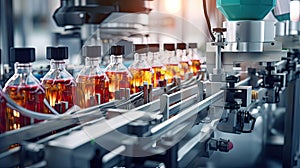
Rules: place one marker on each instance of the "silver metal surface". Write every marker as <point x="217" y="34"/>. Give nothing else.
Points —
<point x="271" y="53"/>
<point x="247" y="41"/>
<point x="249" y="31"/>
<point x="167" y="100"/>
<point x="92" y="132"/>
<point x="288" y="32"/>
<point x="188" y="113"/>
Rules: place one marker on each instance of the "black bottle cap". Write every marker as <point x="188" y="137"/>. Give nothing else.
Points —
<point x="57" y="53"/>
<point x="117" y="50"/>
<point x="181" y="46"/>
<point x="192" y="45"/>
<point x="169" y="47"/>
<point x="22" y="55"/>
<point x="153" y="47"/>
<point x="141" y="48"/>
<point x="91" y="51"/>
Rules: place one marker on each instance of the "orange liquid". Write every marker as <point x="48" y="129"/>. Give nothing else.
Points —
<point x="29" y="97"/>
<point x="117" y="80"/>
<point x="185" y="68"/>
<point x="158" y="75"/>
<point x="196" y="66"/>
<point x="139" y="77"/>
<point x="59" y="90"/>
<point x="91" y="90"/>
<point x="172" y="71"/>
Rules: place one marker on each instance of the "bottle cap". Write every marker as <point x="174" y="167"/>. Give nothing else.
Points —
<point x="22" y="55"/>
<point x="117" y="50"/>
<point x="192" y="45"/>
<point x="91" y="51"/>
<point x="153" y="47"/>
<point x="57" y="53"/>
<point x="181" y="46"/>
<point x="169" y="47"/>
<point x="141" y="48"/>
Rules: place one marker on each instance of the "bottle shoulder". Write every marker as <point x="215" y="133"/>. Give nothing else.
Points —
<point x="58" y="74"/>
<point x="139" y="65"/>
<point x="116" y="67"/>
<point x="23" y="81"/>
<point x="91" y="72"/>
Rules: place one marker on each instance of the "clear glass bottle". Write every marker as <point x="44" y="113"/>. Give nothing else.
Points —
<point x="171" y="63"/>
<point x="59" y="84"/>
<point x="24" y="89"/>
<point x="92" y="82"/>
<point x="158" y="67"/>
<point x="140" y="69"/>
<point x="118" y="75"/>
<point x="184" y="60"/>
<point x="195" y="58"/>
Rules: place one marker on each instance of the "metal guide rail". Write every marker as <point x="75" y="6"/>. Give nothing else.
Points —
<point x="165" y="130"/>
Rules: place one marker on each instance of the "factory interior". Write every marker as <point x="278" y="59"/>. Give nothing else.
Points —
<point x="149" y="83"/>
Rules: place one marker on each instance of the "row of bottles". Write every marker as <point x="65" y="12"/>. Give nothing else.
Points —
<point x="92" y="86"/>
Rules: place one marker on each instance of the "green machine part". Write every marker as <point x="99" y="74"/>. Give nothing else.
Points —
<point x="245" y="9"/>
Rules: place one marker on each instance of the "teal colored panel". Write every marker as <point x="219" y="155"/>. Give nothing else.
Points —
<point x="245" y="9"/>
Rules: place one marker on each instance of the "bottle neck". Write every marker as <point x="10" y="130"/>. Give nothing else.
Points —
<point x="193" y="53"/>
<point x="170" y="53"/>
<point x="116" y="59"/>
<point x="140" y="57"/>
<point x="58" y="64"/>
<point x="180" y="52"/>
<point x="23" y="68"/>
<point x="156" y="56"/>
<point x="157" y="60"/>
<point x="90" y="61"/>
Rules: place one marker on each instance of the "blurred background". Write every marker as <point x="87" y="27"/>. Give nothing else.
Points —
<point x="169" y="20"/>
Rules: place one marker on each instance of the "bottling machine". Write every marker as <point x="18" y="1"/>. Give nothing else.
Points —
<point x="245" y="111"/>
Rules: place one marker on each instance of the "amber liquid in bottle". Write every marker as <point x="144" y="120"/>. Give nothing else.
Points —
<point x="117" y="80"/>
<point x="196" y="66"/>
<point x="58" y="91"/>
<point x="158" y="75"/>
<point x="29" y="97"/>
<point x="139" y="76"/>
<point x="172" y="70"/>
<point x="92" y="90"/>
<point x="185" y="68"/>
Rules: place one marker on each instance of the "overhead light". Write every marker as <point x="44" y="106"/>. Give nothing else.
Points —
<point x="173" y="6"/>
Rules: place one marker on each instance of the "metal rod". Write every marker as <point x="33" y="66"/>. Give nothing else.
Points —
<point x="193" y="110"/>
<point x="188" y="113"/>
<point x="218" y="54"/>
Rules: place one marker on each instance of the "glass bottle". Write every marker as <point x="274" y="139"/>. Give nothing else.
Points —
<point x="171" y="63"/>
<point x="92" y="82"/>
<point x="195" y="58"/>
<point x="158" y="67"/>
<point x="118" y="75"/>
<point x="184" y="60"/>
<point x="59" y="84"/>
<point x="140" y="69"/>
<point x="24" y="89"/>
